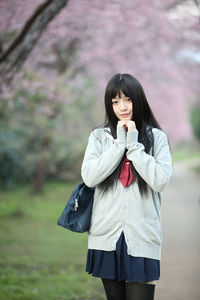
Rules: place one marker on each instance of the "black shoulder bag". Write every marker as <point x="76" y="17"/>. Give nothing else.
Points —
<point x="76" y="215"/>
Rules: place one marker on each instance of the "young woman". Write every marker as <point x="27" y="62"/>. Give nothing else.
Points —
<point x="128" y="161"/>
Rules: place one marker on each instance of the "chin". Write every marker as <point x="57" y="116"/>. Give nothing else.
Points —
<point x="126" y="119"/>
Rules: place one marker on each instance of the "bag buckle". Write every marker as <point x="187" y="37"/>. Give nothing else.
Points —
<point x="75" y="204"/>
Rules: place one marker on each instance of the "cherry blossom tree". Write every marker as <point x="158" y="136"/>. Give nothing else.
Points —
<point x="156" y="41"/>
<point x="60" y="72"/>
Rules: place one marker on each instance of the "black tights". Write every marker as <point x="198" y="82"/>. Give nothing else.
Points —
<point x="121" y="290"/>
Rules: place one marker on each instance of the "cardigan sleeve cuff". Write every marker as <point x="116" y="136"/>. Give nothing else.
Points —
<point x="132" y="137"/>
<point x="121" y="134"/>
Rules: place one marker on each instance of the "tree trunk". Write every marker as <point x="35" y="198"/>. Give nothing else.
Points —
<point x="14" y="57"/>
<point x="41" y="168"/>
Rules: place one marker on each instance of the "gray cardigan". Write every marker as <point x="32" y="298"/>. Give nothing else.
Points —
<point x="123" y="209"/>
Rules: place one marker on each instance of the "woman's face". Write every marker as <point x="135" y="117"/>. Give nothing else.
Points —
<point x="122" y="107"/>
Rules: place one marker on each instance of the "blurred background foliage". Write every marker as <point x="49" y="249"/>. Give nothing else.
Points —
<point x="40" y="138"/>
<point x="195" y="121"/>
<point x="52" y="88"/>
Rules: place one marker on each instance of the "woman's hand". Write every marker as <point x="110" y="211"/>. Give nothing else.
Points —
<point x="129" y="125"/>
<point x="122" y="123"/>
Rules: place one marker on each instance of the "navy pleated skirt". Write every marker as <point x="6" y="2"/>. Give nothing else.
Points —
<point x="118" y="265"/>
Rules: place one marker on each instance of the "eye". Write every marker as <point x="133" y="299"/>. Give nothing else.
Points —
<point x="114" y="102"/>
<point x="128" y="99"/>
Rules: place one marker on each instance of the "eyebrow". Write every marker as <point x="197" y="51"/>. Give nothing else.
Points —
<point x="120" y="98"/>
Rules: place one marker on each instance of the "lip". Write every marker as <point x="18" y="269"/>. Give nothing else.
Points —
<point x="125" y="115"/>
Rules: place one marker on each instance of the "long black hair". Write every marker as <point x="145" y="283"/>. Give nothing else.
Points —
<point x="142" y="116"/>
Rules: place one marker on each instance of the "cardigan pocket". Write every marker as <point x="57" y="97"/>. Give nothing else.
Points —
<point x="99" y="229"/>
<point x="150" y="216"/>
<point x="153" y="232"/>
<point x="151" y="220"/>
<point x="150" y="213"/>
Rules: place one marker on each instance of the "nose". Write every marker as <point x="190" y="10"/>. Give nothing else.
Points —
<point x="123" y="106"/>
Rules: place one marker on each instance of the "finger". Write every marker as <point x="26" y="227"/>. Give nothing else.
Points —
<point x="121" y="123"/>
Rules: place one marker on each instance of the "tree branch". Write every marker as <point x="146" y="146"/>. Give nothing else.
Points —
<point x="14" y="57"/>
<point x="175" y="3"/>
<point x="198" y="6"/>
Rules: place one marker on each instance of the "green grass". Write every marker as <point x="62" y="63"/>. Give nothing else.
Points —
<point x="180" y="155"/>
<point x="186" y="151"/>
<point x="189" y="156"/>
<point x="40" y="260"/>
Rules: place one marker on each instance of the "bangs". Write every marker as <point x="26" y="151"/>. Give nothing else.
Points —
<point x="119" y="87"/>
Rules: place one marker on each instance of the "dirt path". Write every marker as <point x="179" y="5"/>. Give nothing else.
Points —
<point x="180" y="262"/>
